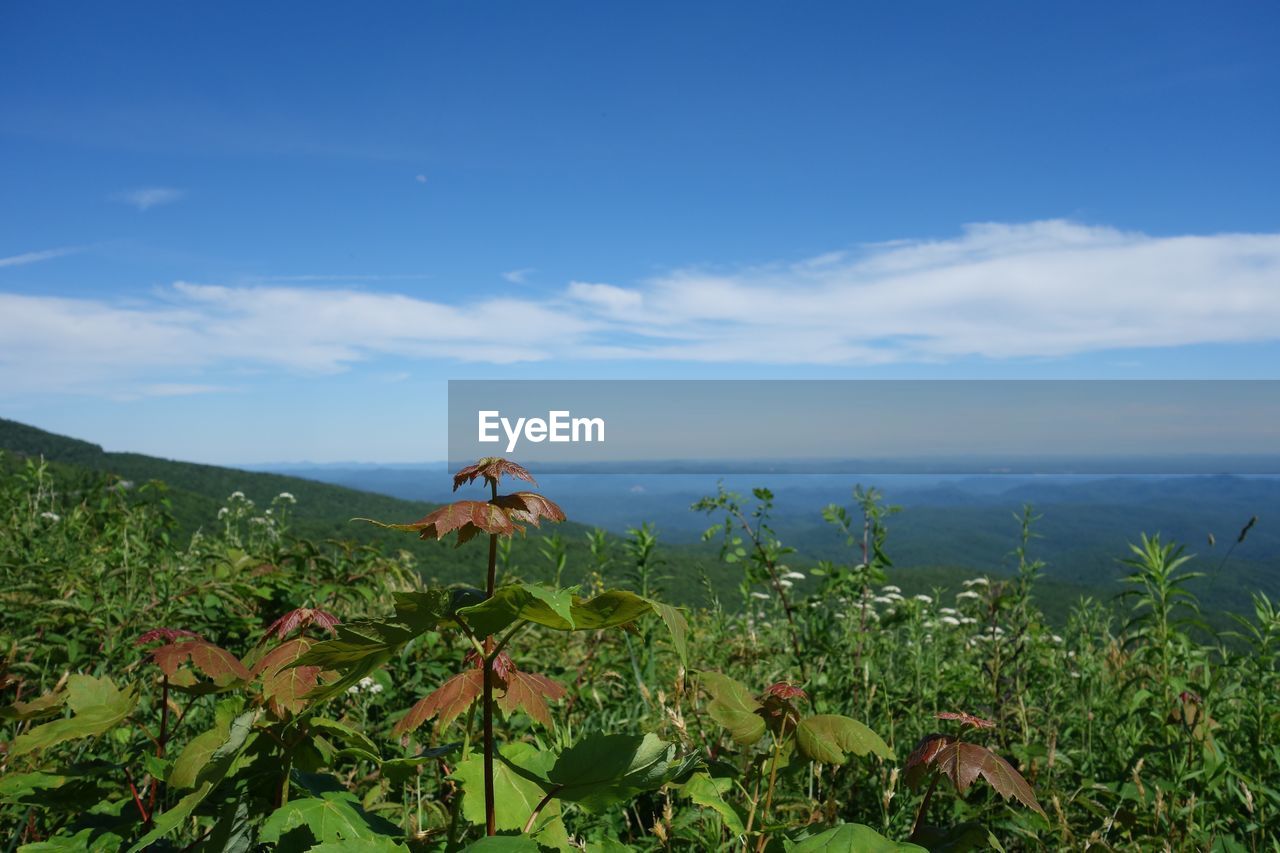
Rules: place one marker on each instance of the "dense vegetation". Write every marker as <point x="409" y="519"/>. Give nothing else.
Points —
<point x="248" y="686"/>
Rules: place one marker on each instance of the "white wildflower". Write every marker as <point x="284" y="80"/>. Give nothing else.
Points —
<point x="51" y="516"/>
<point x="794" y="576"/>
<point x="1056" y="639"/>
<point x="236" y="496"/>
<point x="891" y="588"/>
<point x="353" y="689"/>
<point x="922" y="597"/>
<point x="222" y="513"/>
<point x="882" y="599"/>
<point x="972" y="582"/>
<point x="968" y="594"/>
<point x="375" y="688"/>
<point x="285" y="496"/>
<point x="785" y="584"/>
<point x="366" y="683"/>
<point x="763" y="596"/>
<point x="893" y="596"/>
<point x="947" y="611"/>
<point x="950" y="620"/>
<point x="968" y="620"/>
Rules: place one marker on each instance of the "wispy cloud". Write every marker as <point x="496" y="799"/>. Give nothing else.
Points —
<point x="519" y="276"/>
<point x="995" y="291"/>
<point x="36" y="257"/>
<point x="146" y="198"/>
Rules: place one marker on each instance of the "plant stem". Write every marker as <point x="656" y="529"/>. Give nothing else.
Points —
<point x="768" y="797"/>
<point x="924" y="805"/>
<point x="542" y="804"/>
<point x="490" y="804"/>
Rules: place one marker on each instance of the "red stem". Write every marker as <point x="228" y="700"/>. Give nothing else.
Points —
<point x="490" y="802"/>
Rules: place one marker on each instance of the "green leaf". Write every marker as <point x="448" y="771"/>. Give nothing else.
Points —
<point x="97" y="705"/>
<point x="88" y="840"/>
<point x="677" y="625"/>
<point x="705" y="792"/>
<point x="400" y="769"/>
<point x="424" y="611"/>
<point x="609" y="609"/>
<point x="552" y="608"/>
<point x="333" y="817"/>
<point x="503" y="844"/>
<point x="516" y="793"/>
<point x="196" y="754"/>
<point x="601" y="770"/>
<point x="357" y="740"/>
<point x="853" y="838"/>
<point x="381" y="844"/>
<point x="733" y="707"/>
<point x="207" y="778"/>
<point x="827" y="737"/>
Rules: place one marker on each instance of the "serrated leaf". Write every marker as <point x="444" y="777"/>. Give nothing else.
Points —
<point x="424" y="611"/>
<point x="200" y="749"/>
<point x="467" y="518"/>
<point x="334" y="817"/>
<point x="516" y="791"/>
<point x="964" y="762"/>
<point x="358" y="740"/>
<point x="733" y="707"/>
<point x="448" y="701"/>
<point x="601" y="770"/>
<point x="215" y="662"/>
<point x="534" y="603"/>
<point x="41" y="706"/>
<point x="525" y="692"/>
<point x="827" y="737"/>
<point x="97" y="705"/>
<point x="492" y="469"/>
<point x="285" y="681"/>
<point x="704" y="791"/>
<point x="853" y="838"/>
<point x="530" y="507"/>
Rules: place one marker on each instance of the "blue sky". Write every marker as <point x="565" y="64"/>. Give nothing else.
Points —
<point x="268" y="232"/>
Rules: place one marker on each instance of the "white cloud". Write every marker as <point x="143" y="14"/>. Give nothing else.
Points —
<point x="1042" y="289"/>
<point x="422" y="179"/>
<point x="149" y="197"/>
<point x="519" y="276"/>
<point x="36" y="257"/>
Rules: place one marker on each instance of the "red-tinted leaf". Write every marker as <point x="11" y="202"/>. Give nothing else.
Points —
<point x="785" y="690"/>
<point x="530" y="507"/>
<point x="169" y="635"/>
<point x="525" y="692"/>
<point x="285" y="687"/>
<point x="297" y="620"/>
<point x="448" y="701"/>
<point x="963" y="763"/>
<point x="468" y="518"/>
<point x="966" y="719"/>
<point x="491" y="468"/>
<point x="215" y="662"/>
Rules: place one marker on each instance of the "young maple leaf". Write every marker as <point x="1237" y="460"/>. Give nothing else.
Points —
<point x="530" y="507"/>
<point x="169" y="635"/>
<point x="297" y="620"/>
<point x="963" y="763"/>
<point x="285" y="687"/>
<point x="491" y="468"/>
<point x="785" y="690"/>
<point x="966" y="719"/>
<point x="215" y="662"/>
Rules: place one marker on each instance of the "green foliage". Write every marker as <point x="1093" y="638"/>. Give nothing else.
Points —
<point x="167" y="692"/>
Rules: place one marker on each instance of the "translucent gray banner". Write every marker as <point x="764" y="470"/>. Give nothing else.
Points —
<point x="871" y="427"/>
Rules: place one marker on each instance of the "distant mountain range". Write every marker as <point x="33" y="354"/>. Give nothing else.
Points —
<point x="949" y="527"/>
